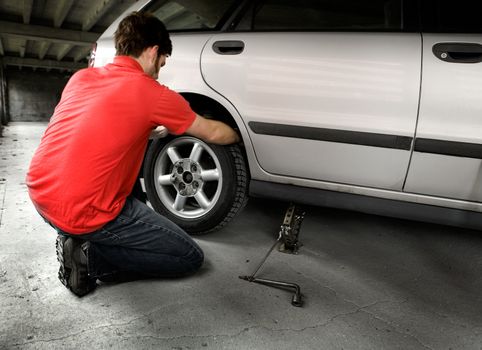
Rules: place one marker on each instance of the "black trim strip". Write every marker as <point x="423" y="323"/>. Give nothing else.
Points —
<point x="333" y="135"/>
<point x="449" y="148"/>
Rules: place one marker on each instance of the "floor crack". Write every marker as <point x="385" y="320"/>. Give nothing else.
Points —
<point x="394" y="327"/>
<point x="2" y="208"/>
<point x="234" y="335"/>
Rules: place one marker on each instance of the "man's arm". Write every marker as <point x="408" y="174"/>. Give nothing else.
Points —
<point x="212" y="131"/>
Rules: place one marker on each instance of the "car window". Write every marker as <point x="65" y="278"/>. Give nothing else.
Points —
<point x="461" y="16"/>
<point x="324" y="15"/>
<point x="190" y="15"/>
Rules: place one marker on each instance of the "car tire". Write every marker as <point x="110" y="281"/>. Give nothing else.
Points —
<point x="198" y="186"/>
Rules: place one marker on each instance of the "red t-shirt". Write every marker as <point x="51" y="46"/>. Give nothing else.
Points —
<point x="92" y="150"/>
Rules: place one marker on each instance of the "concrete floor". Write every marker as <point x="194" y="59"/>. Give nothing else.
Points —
<point x="369" y="283"/>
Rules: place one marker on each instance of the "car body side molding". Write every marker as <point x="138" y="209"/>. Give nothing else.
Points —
<point x="449" y="148"/>
<point x="423" y="145"/>
<point x="333" y="135"/>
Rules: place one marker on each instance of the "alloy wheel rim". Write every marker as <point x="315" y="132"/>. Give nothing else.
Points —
<point x="188" y="177"/>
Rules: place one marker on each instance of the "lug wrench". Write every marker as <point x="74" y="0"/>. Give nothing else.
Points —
<point x="296" y="300"/>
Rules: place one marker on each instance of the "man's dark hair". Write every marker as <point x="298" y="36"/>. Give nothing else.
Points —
<point x="139" y="31"/>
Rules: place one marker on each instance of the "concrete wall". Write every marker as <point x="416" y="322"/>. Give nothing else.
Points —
<point x="33" y="95"/>
<point x="3" y="97"/>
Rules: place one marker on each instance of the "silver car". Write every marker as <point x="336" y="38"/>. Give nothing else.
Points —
<point x="373" y="106"/>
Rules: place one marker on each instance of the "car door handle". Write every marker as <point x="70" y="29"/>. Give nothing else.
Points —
<point x="458" y="52"/>
<point x="228" y="47"/>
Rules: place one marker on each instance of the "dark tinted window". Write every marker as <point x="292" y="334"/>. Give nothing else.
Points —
<point x="191" y="14"/>
<point x="461" y="16"/>
<point x="324" y="15"/>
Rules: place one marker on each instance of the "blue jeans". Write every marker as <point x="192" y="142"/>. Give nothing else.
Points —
<point x="141" y="242"/>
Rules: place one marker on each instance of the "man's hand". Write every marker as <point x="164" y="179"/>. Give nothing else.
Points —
<point x="159" y="132"/>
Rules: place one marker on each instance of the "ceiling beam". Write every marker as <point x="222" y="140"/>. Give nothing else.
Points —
<point x="27" y="10"/>
<point x="43" y="49"/>
<point x="64" y="50"/>
<point x="91" y="19"/>
<point x="82" y="53"/>
<point x="23" y="47"/>
<point x="63" y="8"/>
<point x="55" y="35"/>
<point x="47" y="64"/>
<point x="96" y="13"/>
<point x="27" y="13"/>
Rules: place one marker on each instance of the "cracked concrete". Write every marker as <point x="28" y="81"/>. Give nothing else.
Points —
<point x="369" y="283"/>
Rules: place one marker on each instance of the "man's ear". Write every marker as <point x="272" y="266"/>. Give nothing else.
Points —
<point x="153" y="50"/>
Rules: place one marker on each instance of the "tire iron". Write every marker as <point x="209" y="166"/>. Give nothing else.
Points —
<point x="291" y="222"/>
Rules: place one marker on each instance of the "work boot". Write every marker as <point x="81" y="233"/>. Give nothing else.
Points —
<point x="73" y="271"/>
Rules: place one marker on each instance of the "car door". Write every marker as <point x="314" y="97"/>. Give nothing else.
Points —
<point x="329" y="89"/>
<point x="448" y="148"/>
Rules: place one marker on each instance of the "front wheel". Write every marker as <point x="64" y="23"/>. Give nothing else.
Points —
<point x="198" y="186"/>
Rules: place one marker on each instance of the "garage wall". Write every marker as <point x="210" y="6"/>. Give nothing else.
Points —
<point x="3" y="97"/>
<point x="33" y="95"/>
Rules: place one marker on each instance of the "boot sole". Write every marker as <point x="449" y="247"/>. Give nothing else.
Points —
<point x="64" y="272"/>
<point x="69" y="274"/>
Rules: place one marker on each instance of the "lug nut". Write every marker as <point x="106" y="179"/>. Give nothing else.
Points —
<point x="180" y="170"/>
<point x="195" y="184"/>
<point x="182" y="186"/>
<point x="193" y="168"/>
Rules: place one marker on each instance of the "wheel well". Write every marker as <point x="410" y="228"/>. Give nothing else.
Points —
<point x="210" y="108"/>
<point x="207" y="107"/>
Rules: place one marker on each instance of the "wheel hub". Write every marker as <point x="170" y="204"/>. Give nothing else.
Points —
<point x="186" y="177"/>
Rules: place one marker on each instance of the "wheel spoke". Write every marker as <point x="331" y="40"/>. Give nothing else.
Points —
<point x="179" y="202"/>
<point x="173" y="155"/>
<point x="164" y="180"/>
<point x="188" y="178"/>
<point x="196" y="151"/>
<point x="210" y="175"/>
<point x="202" y="200"/>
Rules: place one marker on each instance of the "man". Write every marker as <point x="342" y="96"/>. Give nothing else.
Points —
<point x="83" y="172"/>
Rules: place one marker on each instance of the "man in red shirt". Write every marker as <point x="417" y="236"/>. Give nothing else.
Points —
<point x="86" y="165"/>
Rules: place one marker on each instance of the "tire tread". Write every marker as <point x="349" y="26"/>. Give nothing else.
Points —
<point x="241" y="195"/>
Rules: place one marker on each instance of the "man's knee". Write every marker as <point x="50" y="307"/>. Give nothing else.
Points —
<point x="196" y="260"/>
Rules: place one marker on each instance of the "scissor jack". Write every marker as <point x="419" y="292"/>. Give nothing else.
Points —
<point x="288" y="243"/>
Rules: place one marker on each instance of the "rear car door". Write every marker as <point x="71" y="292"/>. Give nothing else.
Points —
<point x="448" y="148"/>
<point x="329" y="88"/>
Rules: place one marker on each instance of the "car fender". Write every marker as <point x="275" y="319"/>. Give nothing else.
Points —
<point x="182" y="73"/>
